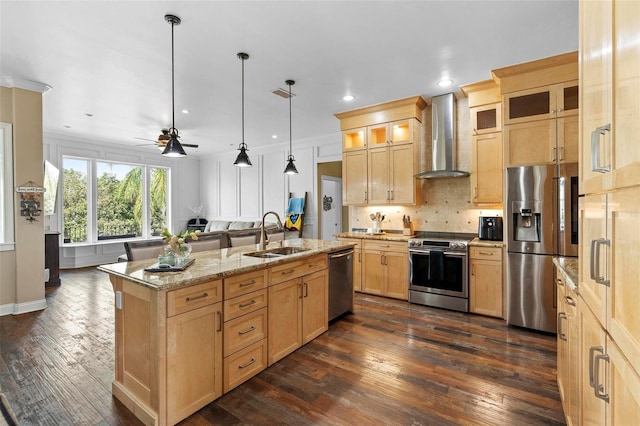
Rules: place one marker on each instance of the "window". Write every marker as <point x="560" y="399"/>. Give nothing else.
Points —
<point x="6" y="187"/>
<point x="130" y="200"/>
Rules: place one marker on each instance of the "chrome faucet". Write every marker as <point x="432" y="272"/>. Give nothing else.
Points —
<point x="263" y="238"/>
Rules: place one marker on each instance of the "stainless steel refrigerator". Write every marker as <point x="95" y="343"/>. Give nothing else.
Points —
<point x="541" y="222"/>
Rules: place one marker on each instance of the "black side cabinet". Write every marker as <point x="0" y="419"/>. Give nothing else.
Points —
<point x="52" y="257"/>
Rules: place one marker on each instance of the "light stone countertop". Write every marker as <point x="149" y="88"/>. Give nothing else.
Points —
<point x="217" y="264"/>
<point x="568" y="268"/>
<point x="485" y="243"/>
<point x="384" y="236"/>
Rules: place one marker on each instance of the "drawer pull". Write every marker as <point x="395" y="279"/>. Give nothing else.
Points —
<point x="252" y="282"/>
<point x="247" y="364"/>
<point x="249" y="330"/>
<point x="244" y="305"/>
<point x="486" y="253"/>
<point x="290" y="271"/>
<point x="202" y="296"/>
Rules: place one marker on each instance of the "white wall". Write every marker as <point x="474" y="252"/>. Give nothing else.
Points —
<point x="231" y="192"/>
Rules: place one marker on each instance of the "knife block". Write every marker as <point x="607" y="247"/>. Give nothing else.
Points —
<point x="408" y="229"/>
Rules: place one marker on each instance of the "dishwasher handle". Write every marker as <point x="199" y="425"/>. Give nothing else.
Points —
<point x="340" y="254"/>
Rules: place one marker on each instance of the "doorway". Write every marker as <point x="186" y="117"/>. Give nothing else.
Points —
<point x="331" y="206"/>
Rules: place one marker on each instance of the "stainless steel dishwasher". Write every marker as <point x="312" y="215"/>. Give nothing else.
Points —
<point x="340" y="283"/>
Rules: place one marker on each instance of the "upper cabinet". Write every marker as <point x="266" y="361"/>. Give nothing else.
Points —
<point x="381" y="148"/>
<point x="540" y="103"/>
<point x="540" y="109"/>
<point x="485" y="111"/>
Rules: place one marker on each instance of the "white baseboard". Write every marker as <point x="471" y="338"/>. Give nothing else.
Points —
<point x="7" y="309"/>
<point x="23" y="308"/>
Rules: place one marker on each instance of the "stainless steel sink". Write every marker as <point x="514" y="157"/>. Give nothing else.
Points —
<point x="276" y="252"/>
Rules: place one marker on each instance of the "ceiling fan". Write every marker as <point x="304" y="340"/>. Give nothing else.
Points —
<point x="163" y="138"/>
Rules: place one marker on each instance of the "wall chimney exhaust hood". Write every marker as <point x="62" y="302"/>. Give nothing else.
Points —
<point x="443" y="140"/>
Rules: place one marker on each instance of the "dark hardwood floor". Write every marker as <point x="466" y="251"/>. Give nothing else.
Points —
<point x="391" y="363"/>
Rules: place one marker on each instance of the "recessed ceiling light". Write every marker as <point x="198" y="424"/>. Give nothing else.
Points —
<point x="445" y="82"/>
<point x="185" y="111"/>
<point x="274" y="136"/>
<point x="348" y="98"/>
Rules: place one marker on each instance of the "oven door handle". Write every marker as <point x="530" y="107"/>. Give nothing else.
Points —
<point x="446" y="253"/>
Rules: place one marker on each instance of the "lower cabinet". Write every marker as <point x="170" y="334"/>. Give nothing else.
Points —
<point x="485" y="281"/>
<point x="568" y="350"/>
<point x="245" y="327"/>
<point x="299" y="313"/>
<point x="385" y="266"/>
<point x="609" y="385"/>
<point x="194" y="340"/>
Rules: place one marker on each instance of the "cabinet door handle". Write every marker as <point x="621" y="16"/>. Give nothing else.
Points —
<point x="219" y="314"/>
<point x="592" y="350"/>
<point x="382" y="259"/>
<point x="244" y="305"/>
<point x="475" y="192"/>
<point x="365" y="196"/>
<point x="306" y="289"/>
<point x="301" y="291"/>
<point x="555" y="295"/>
<point x="391" y="197"/>
<point x="594" y="257"/>
<point x="553" y="154"/>
<point x="191" y="299"/>
<point x="247" y="283"/>
<point x="562" y="335"/>
<point x="598" y="387"/>
<point x="561" y="153"/>
<point x="559" y="282"/>
<point x="248" y="330"/>
<point x="473" y="270"/>
<point x="247" y="364"/>
<point x="595" y="149"/>
<point x="570" y="300"/>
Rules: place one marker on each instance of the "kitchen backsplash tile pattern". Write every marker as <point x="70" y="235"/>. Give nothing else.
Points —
<point x="447" y="205"/>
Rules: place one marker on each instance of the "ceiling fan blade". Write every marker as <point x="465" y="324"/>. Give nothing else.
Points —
<point x="189" y="145"/>
<point x="144" y="139"/>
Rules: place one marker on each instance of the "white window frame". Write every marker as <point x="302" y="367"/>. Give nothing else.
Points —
<point x="92" y="197"/>
<point x="7" y="241"/>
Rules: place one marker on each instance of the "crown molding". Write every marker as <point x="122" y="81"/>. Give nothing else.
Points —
<point x="21" y="83"/>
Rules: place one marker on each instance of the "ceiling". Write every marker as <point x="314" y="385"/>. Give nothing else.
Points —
<point x="109" y="62"/>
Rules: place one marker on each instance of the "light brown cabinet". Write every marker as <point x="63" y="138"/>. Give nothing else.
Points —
<point x="391" y="175"/>
<point x="541" y="103"/>
<point x="381" y="153"/>
<point x="299" y="313"/>
<point x="385" y="268"/>
<point x="354" y="178"/>
<point x="485" y="111"/>
<point x="568" y="349"/>
<point x="609" y="218"/>
<point x="485" y="281"/>
<point x="540" y="110"/>
<point x="245" y="327"/>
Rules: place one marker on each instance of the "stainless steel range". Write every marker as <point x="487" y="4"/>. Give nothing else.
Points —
<point x="438" y="270"/>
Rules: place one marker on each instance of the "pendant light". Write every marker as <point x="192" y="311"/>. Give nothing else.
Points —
<point x="243" y="158"/>
<point x="174" y="147"/>
<point x="291" y="168"/>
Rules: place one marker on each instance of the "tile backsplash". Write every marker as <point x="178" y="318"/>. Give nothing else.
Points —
<point x="446" y="203"/>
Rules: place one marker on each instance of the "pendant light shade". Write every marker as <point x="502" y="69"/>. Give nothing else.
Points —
<point x="291" y="168"/>
<point x="243" y="159"/>
<point x="174" y="147"/>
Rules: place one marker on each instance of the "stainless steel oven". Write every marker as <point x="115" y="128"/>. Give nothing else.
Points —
<point x="438" y="265"/>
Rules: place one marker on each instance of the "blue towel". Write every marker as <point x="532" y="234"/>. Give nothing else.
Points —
<point x="296" y="206"/>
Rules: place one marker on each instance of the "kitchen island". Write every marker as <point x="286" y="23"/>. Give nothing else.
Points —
<point x="184" y="338"/>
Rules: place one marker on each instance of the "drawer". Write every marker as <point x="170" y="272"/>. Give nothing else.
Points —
<point x="295" y="269"/>
<point x="244" y="331"/>
<point x="400" y="247"/>
<point x="238" y="306"/>
<point x="193" y="297"/>
<point x="245" y="283"/>
<point x="486" y="253"/>
<point x="244" y="364"/>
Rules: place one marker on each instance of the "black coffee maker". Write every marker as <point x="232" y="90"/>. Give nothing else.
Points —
<point x="490" y="228"/>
